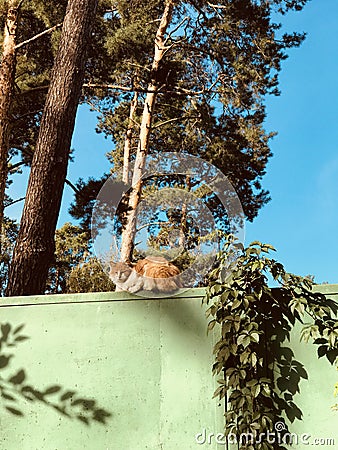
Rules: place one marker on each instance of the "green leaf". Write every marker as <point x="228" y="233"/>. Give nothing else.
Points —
<point x="331" y="355"/>
<point x="265" y="380"/>
<point x="211" y="324"/>
<point x="244" y="357"/>
<point x="215" y="289"/>
<point x="220" y="392"/>
<point x="246" y="341"/>
<point x="223" y="354"/>
<point x="236" y="303"/>
<point x="241" y="402"/>
<point x="241" y="338"/>
<point x="266" y="390"/>
<point x="225" y="295"/>
<point x="256" y="390"/>
<point x="322" y="350"/>
<point x="293" y="412"/>
<point x="332" y="339"/>
<point x="283" y="384"/>
<point x="253" y="359"/>
<point x="302" y="373"/>
<point x="233" y="349"/>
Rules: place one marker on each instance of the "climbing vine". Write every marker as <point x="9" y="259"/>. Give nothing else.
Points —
<point x="258" y="373"/>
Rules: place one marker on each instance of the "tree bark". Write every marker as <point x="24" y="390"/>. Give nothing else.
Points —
<point x="35" y="245"/>
<point x="128" y="234"/>
<point x="7" y="76"/>
<point x="129" y="140"/>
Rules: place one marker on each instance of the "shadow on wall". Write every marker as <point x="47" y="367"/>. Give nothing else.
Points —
<point x="15" y="388"/>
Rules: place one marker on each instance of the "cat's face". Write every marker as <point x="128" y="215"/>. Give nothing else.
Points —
<point x="119" y="272"/>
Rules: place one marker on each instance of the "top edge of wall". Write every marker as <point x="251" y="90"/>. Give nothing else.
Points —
<point x="94" y="297"/>
<point x="91" y="297"/>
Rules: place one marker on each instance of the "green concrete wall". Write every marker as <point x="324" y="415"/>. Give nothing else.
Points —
<point x="147" y="362"/>
<point x="319" y="422"/>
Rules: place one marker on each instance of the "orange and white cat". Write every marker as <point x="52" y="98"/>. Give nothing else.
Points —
<point x="152" y="273"/>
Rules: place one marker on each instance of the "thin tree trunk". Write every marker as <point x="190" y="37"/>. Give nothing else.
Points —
<point x="183" y="227"/>
<point x="35" y="244"/>
<point x="129" y="231"/>
<point x="129" y="139"/>
<point x="7" y="77"/>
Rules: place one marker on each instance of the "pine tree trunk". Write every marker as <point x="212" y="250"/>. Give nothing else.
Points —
<point x="183" y="224"/>
<point x="34" y="248"/>
<point x="128" y="234"/>
<point x="7" y="76"/>
<point x="128" y="140"/>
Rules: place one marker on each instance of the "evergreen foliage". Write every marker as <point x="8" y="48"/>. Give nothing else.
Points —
<point x="221" y="61"/>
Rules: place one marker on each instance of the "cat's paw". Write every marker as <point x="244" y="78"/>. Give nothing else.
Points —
<point x="135" y="288"/>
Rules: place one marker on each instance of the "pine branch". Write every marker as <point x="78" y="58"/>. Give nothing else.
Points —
<point x="116" y="87"/>
<point x="37" y="36"/>
<point x="216" y="6"/>
<point x="14" y="201"/>
<point x="24" y="150"/>
<point x="186" y="19"/>
<point x="37" y="88"/>
<point x="160" y="124"/>
<point x="75" y="189"/>
<point x="150" y="224"/>
<point x="177" y="91"/>
<point x="71" y="185"/>
<point x="30" y="113"/>
<point x="16" y="165"/>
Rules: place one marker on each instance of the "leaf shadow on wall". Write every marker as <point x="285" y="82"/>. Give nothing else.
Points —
<point x="16" y="388"/>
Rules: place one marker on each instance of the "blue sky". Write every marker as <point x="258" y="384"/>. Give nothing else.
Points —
<point x="301" y="220"/>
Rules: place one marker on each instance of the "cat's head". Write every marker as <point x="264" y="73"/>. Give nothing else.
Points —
<point x="119" y="272"/>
